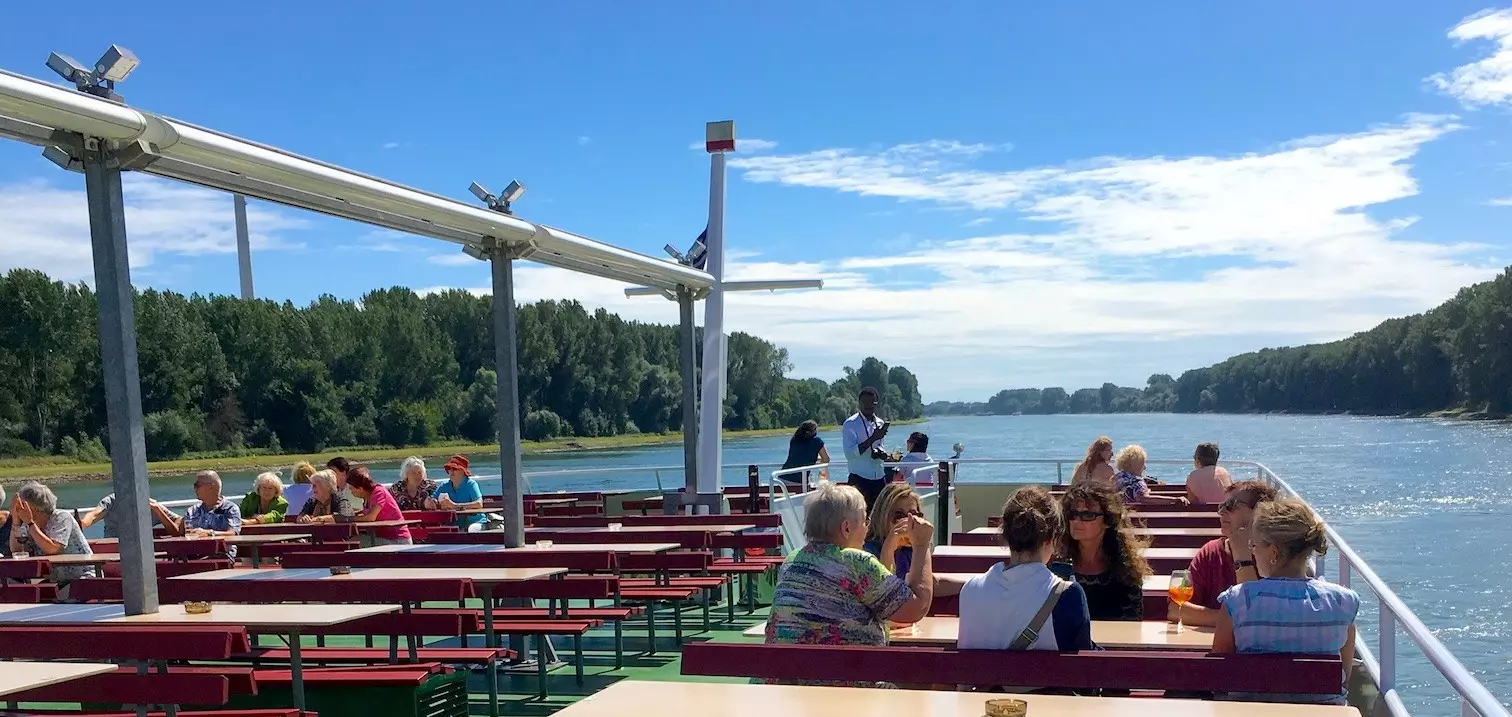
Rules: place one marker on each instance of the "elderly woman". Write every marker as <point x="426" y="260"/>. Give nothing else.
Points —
<point x="1020" y="604"/>
<point x="1130" y="481"/>
<point x="265" y="504"/>
<point x="325" y="505"/>
<point x="831" y="592"/>
<point x="460" y="492"/>
<point x="5" y="524"/>
<point x="378" y="504"/>
<point x="412" y="489"/>
<point x="1107" y="558"/>
<point x="1285" y="611"/>
<point x="299" y="492"/>
<point x="41" y="529"/>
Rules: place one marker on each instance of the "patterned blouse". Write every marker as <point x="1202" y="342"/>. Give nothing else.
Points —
<point x="337" y="506"/>
<point x="1131" y="487"/>
<point x="400" y="491"/>
<point x="828" y="595"/>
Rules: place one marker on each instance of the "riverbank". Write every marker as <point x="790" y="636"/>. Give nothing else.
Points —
<point x="62" y="469"/>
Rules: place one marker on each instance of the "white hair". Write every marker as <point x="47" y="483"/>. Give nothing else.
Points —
<point x="411" y="462"/>
<point x="267" y="478"/>
<point x="207" y="477"/>
<point x="38" y="496"/>
<point x="828" y="507"/>
<point x="326" y="478"/>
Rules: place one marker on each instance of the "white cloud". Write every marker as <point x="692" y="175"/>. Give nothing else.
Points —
<point x="743" y="145"/>
<point x="47" y="227"/>
<point x="583" y="140"/>
<point x="979" y="221"/>
<point x="1502" y="202"/>
<point x="454" y="259"/>
<point x="391" y="145"/>
<point x="1487" y="81"/>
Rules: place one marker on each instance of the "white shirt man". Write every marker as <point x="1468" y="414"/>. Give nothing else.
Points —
<point x="861" y="433"/>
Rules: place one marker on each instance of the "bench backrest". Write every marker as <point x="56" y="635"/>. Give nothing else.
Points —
<point x="333" y="591"/>
<point x="572" y="521"/>
<point x="104" y="641"/>
<point x="1021" y="668"/>
<point x="760" y="520"/>
<point x="127" y="687"/>
<point x="588" y="561"/>
<point x="691" y="539"/>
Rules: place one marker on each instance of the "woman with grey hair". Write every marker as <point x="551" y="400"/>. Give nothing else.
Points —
<point x="831" y="592"/>
<point x="5" y="524"/>
<point x="265" y="503"/>
<point x="42" y="529"/>
<point x="413" y="488"/>
<point x="326" y="504"/>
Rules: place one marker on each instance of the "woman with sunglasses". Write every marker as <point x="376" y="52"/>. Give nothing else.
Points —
<point x="1106" y="555"/>
<point x="887" y="531"/>
<point x="1223" y="562"/>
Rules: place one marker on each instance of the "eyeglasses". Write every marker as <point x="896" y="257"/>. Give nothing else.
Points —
<point x="1086" y="515"/>
<point x="898" y="515"/>
<point x="1234" y="501"/>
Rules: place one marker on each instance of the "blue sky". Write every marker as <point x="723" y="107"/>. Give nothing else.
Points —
<point x="997" y="194"/>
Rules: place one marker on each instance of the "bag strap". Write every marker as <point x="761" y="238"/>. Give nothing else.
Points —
<point x="1031" y="631"/>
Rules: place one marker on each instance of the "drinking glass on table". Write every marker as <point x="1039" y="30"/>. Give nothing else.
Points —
<point x="1180" y="591"/>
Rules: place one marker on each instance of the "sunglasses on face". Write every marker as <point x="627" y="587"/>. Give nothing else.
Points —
<point x="898" y="515"/>
<point x="1232" y="502"/>
<point x="1085" y="515"/>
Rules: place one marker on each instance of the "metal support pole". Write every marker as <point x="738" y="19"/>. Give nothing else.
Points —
<point x="943" y="505"/>
<point x="507" y="404"/>
<point x="712" y="398"/>
<point x="243" y="246"/>
<point x="122" y="382"/>
<point x="753" y="489"/>
<point x="686" y="349"/>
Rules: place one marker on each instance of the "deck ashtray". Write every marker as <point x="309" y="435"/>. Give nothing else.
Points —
<point x="1007" y="708"/>
<point x="196" y="607"/>
<point x="340" y="570"/>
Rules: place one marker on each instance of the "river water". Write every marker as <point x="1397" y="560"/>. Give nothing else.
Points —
<point x="1425" y="502"/>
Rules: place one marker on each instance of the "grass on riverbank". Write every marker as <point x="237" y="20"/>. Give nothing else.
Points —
<point x="65" y="468"/>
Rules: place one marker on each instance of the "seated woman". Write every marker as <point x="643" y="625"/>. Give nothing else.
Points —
<point x="377" y="504"/>
<point x="1021" y="605"/>
<point x="1106" y="555"/>
<point x="1209" y="482"/>
<point x="1285" y="611"/>
<point x="325" y="504"/>
<point x="918" y="468"/>
<point x="1098" y="465"/>
<point x="265" y="504"/>
<point x="299" y="491"/>
<point x="1131" y="482"/>
<point x="1223" y="562"/>
<point x="413" y="488"/>
<point x="459" y="492"/>
<point x="887" y="531"/>
<point x="41" y="529"/>
<point x="830" y="592"/>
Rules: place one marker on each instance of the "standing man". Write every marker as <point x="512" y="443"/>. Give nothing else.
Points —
<point x="864" y="454"/>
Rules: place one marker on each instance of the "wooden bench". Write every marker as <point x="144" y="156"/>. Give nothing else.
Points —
<point x="1132" y="670"/>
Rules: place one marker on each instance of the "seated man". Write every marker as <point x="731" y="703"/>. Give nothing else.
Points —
<point x="1209" y="483"/>
<point x="214" y="516"/>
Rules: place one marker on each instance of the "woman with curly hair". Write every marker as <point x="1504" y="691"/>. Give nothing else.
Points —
<point x="1097" y="467"/>
<point x="1107" y="557"/>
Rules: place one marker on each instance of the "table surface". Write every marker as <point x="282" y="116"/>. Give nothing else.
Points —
<point x="1152" y="584"/>
<point x="375" y="524"/>
<point x="730" y="528"/>
<point x="481" y="575"/>
<point x="1138" y="530"/>
<point x="532" y="548"/>
<point x="953" y="551"/>
<point x="22" y="676"/>
<point x="73" y="559"/>
<point x="551" y="501"/>
<point x="310" y="615"/>
<point x="1150" y="634"/>
<point x="632" y="698"/>
<point x="1145" y="515"/>
<point x="259" y="539"/>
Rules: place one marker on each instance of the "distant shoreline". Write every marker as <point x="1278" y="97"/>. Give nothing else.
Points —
<point x="57" y="469"/>
<point x="1457" y="414"/>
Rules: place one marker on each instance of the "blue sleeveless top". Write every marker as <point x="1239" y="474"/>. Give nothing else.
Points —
<point x="1291" y="615"/>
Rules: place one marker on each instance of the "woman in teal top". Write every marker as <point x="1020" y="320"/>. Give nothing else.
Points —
<point x="458" y="493"/>
<point x="265" y="504"/>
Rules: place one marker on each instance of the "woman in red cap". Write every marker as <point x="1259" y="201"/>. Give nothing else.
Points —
<point x="458" y="493"/>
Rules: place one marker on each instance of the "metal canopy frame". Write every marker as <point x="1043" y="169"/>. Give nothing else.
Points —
<point x="102" y="138"/>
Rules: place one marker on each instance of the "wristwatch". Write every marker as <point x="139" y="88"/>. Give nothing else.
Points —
<point x="1242" y="564"/>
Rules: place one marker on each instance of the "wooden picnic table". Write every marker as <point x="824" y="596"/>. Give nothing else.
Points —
<point x="632" y="698"/>
<point x="953" y="551"/>
<point x="678" y="528"/>
<point x="941" y="630"/>
<point x="1138" y="530"/>
<point x="484" y="579"/>
<point x="23" y="676"/>
<point x="91" y="559"/>
<point x="191" y="545"/>
<point x="618" y="548"/>
<point x="288" y="619"/>
<point x="1156" y="584"/>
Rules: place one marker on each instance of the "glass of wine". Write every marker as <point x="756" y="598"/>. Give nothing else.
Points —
<point x="1180" y="591"/>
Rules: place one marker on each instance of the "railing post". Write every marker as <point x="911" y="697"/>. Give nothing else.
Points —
<point x="1060" y="474"/>
<point x="943" y="505"/>
<point x="753" y="488"/>
<point x="1343" y="571"/>
<point x="1386" y="650"/>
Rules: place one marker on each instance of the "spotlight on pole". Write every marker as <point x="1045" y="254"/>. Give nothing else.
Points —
<point x="115" y="65"/>
<point x="499" y="202"/>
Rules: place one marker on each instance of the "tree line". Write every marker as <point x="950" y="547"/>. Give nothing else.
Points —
<point x="220" y="373"/>
<point x="1457" y="356"/>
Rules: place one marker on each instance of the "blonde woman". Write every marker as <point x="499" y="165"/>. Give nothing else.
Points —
<point x="1098" y="465"/>
<point x="1130" y="480"/>
<point x="265" y="503"/>
<point x="1285" y="611"/>
<point x="887" y="532"/>
<point x="298" y="493"/>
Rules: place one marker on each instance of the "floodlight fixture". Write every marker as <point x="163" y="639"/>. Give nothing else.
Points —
<point x="67" y="67"/>
<point x="475" y="252"/>
<point x="513" y="192"/>
<point x="115" y="65"/>
<point x="61" y="157"/>
<point x="482" y="193"/>
<point x="501" y="202"/>
<point x="673" y="252"/>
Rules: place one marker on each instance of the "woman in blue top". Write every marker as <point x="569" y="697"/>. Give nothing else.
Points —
<point x="1286" y="611"/>
<point x="887" y="533"/>
<point x="805" y="448"/>
<point x="459" y="493"/>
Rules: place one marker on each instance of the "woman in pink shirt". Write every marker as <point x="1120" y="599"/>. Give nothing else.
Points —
<point x="1209" y="483"/>
<point x="378" y="504"/>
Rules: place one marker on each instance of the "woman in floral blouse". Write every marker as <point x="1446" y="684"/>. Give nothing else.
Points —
<point x="413" y="488"/>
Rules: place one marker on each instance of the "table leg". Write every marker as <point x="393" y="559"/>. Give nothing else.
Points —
<point x="490" y="640"/>
<point x="256" y="557"/>
<point x="296" y="671"/>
